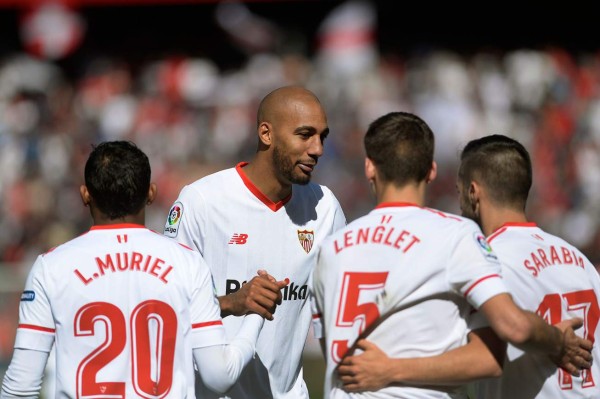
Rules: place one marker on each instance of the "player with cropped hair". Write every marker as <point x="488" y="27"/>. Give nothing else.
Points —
<point x="265" y="214"/>
<point x="405" y="276"/>
<point x="128" y="310"/>
<point x="543" y="272"/>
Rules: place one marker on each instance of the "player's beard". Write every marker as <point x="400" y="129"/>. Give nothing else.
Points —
<point x="468" y="209"/>
<point x="286" y="168"/>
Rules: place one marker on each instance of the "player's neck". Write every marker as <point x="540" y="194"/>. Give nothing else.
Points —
<point x="100" y="219"/>
<point x="410" y="193"/>
<point x="493" y="218"/>
<point x="262" y="176"/>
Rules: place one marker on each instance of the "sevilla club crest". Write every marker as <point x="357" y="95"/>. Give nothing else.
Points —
<point x="306" y="238"/>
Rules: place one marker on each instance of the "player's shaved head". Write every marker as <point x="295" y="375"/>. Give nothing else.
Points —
<point x="280" y="102"/>
<point x="502" y="166"/>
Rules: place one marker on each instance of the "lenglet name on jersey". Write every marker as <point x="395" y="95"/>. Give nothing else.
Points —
<point x="383" y="235"/>
<point x="127" y="261"/>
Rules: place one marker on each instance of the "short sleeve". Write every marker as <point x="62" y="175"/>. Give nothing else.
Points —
<point x="183" y="222"/>
<point x="36" y="327"/>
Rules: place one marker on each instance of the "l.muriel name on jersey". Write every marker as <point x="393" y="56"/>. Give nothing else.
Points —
<point x="127" y="261"/>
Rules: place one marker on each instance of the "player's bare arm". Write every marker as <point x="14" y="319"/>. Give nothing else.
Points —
<point x="528" y="331"/>
<point x="260" y="295"/>
<point x="372" y="370"/>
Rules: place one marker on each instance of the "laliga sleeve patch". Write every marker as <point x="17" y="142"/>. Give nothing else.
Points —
<point x="484" y="246"/>
<point x="27" y="296"/>
<point x="173" y="220"/>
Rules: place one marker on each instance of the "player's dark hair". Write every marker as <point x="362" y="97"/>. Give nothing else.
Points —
<point x="117" y="176"/>
<point x="401" y="145"/>
<point x="502" y="165"/>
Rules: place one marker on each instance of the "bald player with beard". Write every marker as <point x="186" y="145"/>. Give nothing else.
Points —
<point x="265" y="214"/>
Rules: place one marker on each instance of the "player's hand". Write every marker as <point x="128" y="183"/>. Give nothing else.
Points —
<point x="260" y="295"/>
<point x="365" y="372"/>
<point x="576" y="353"/>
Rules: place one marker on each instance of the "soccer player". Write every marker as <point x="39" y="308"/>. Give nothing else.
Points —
<point x="406" y="275"/>
<point x="544" y="274"/>
<point x="266" y="214"/>
<point x="127" y="309"/>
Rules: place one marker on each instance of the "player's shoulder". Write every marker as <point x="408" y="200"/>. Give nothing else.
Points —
<point x="316" y="192"/>
<point x="219" y="177"/>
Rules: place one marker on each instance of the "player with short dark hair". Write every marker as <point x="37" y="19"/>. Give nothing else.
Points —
<point x="406" y="277"/>
<point x="266" y="214"/>
<point x="128" y="310"/>
<point x="544" y="273"/>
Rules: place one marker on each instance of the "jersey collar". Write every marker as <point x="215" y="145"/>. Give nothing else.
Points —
<point x="503" y="228"/>
<point x="274" y="206"/>
<point x="395" y="205"/>
<point x="117" y="226"/>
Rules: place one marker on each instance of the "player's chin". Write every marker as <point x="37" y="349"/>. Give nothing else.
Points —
<point x="301" y="178"/>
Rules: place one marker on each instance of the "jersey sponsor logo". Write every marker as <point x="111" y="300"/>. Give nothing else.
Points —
<point x="306" y="238"/>
<point x="173" y="220"/>
<point x="290" y="292"/>
<point x="238" y="239"/>
<point x="28" y="296"/>
<point x="484" y="246"/>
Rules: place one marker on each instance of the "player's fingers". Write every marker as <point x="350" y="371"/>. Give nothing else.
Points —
<point x="571" y="369"/>
<point x="575" y="322"/>
<point x="362" y="344"/>
<point x="586" y="345"/>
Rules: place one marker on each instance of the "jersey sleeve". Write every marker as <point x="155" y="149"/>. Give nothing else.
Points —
<point x="473" y="269"/>
<point x="36" y="329"/>
<point x="207" y="324"/>
<point x="184" y="222"/>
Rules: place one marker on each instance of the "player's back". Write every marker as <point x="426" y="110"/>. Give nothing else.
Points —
<point x="413" y="268"/>
<point x="120" y="300"/>
<point x="547" y="275"/>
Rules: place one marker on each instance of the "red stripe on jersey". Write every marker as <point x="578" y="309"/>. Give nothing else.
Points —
<point x="207" y="324"/>
<point x="502" y="228"/>
<point x="395" y="204"/>
<point x="316" y="316"/>
<point x="37" y="328"/>
<point x="274" y="206"/>
<point x="117" y="226"/>
<point x="479" y="281"/>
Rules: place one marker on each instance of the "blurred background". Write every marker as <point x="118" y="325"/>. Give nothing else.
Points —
<point x="183" y="79"/>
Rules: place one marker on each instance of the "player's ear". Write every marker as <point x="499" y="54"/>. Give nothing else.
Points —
<point x="369" y="169"/>
<point x="265" y="132"/>
<point x="86" y="198"/>
<point x="151" y="193"/>
<point x="432" y="173"/>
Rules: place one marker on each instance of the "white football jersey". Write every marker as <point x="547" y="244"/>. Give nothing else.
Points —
<point x="126" y="307"/>
<point x="406" y="278"/>
<point x="549" y="276"/>
<point x="239" y="230"/>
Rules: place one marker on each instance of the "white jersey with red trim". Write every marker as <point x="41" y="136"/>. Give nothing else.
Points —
<point x="406" y="277"/>
<point x="239" y="230"/>
<point x="126" y="307"/>
<point x="547" y="275"/>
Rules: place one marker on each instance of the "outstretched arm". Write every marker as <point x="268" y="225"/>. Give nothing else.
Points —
<point x="481" y="357"/>
<point x="260" y="295"/>
<point x="529" y="332"/>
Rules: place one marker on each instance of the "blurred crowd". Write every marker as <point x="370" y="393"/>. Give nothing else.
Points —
<point x="193" y="118"/>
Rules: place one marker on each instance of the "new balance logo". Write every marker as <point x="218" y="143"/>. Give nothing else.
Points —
<point x="239" y="239"/>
